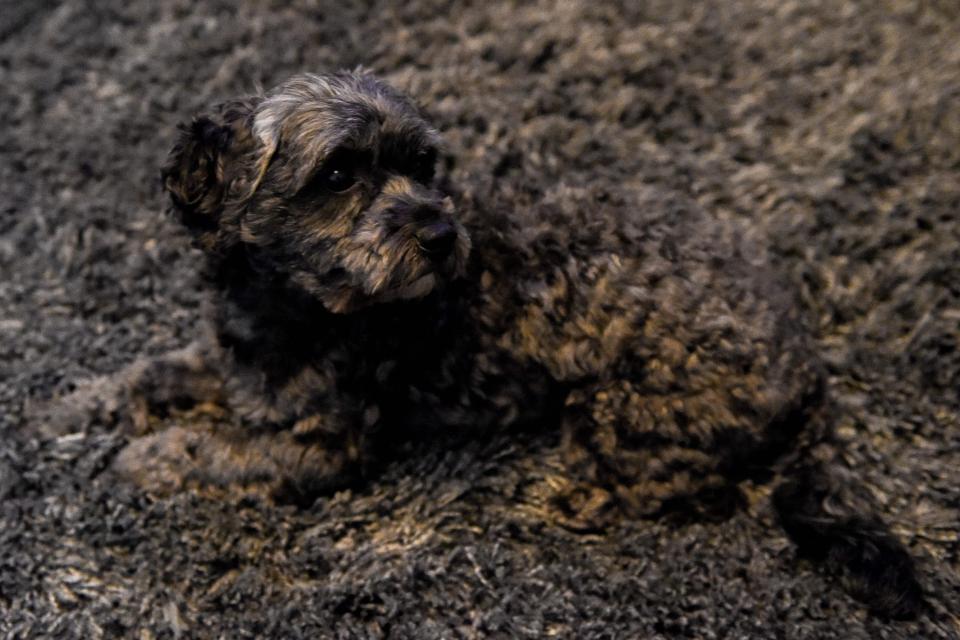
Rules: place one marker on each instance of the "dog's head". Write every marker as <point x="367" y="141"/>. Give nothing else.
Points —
<point x="327" y="181"/>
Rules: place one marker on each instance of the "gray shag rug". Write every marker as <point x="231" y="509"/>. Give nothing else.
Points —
<point x="832" y="126"/>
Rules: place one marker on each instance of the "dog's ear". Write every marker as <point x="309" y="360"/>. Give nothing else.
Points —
<point x="215" y="163"/>
<point x="194" y="172"/>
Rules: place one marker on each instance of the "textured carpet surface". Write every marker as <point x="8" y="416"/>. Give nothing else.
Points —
<point x="834" y="127"/>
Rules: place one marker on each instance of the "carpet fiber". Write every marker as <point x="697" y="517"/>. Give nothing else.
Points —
<point x="834" y="127"/>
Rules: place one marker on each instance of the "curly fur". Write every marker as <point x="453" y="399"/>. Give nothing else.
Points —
<point x="656" y="340"/>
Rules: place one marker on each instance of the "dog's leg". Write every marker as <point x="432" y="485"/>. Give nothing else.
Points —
<point x="182" y="378"/>
<point x="646" y="454"/>
<point x="289" y="465"/>
<point x="651" y="454"/>
<point x="681" y="439"/>
<point x="188" y="378"/>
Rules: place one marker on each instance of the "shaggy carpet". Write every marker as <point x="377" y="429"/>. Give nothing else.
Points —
<point x="832" y="126"/>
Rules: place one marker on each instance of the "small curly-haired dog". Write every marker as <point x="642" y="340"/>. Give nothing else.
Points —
<point x="355" y="303"/>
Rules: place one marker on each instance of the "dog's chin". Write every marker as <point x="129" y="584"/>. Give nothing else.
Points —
<point x="343" y="300"/>
<point x="418" y="288"/>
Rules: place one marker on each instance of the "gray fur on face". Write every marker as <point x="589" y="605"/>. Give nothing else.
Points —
<point x="347" y="247"/>
<point x="362" y="245"/>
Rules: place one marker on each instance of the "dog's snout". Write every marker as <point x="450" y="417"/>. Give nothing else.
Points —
<point x="437" y="240"/>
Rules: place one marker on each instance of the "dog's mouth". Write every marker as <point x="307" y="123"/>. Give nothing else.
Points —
<point x="418" y="288"/>
<point x="436" y="259"/>
<point x="349" y="299"/>
<point x="403" y="268"/>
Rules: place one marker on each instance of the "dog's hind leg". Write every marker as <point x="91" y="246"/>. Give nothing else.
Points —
<point x="651" y="454"/>
<point x="656" y="453"/>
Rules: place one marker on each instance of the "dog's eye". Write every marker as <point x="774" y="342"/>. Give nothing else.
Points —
<point x="338" y="173"/>
<point x="339" y="178"/>
<point x="336" y="178"/>
<point x="425" y="166"/>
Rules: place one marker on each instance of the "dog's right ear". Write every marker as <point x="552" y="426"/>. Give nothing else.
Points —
<point x="194" y="173"/>
<point x="217" y="164"/>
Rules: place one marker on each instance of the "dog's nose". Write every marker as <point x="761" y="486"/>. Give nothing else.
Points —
<point x="437" y="240"/>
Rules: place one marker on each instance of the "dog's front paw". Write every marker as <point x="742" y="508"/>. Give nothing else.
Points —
<point x="218" y="459"/>
<point x="149" y="388"/>
<point x="95" y="401"/>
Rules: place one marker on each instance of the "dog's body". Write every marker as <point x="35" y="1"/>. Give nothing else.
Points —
<point x="674" y="366"/>
<point x="354" y="304"/>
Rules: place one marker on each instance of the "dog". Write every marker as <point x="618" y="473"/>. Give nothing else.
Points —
<point x="354" y="302"/>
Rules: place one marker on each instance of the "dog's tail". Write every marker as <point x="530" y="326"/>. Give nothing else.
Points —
<point x="829" y="516"/>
